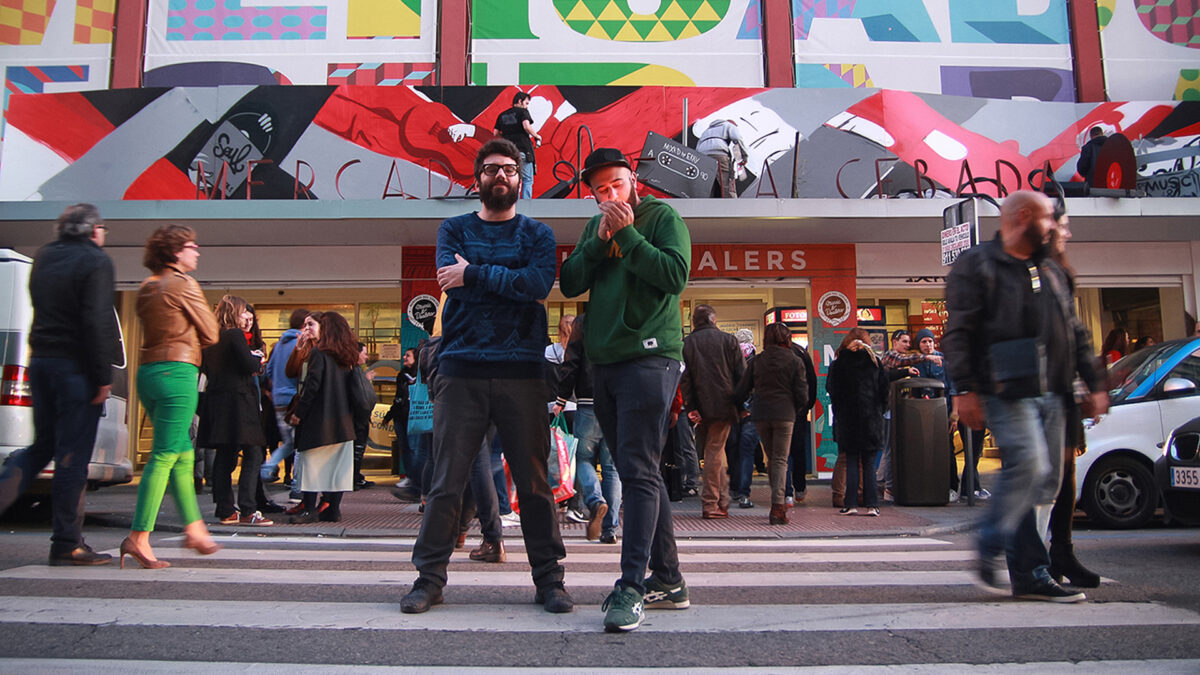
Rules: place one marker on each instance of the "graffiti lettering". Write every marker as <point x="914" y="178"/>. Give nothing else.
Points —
<point x="233" y="155"/>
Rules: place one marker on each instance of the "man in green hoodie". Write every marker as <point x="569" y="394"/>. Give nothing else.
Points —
<point x="634" y="258"/>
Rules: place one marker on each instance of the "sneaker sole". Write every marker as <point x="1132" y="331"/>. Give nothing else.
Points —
<point x="666" y="604"/>
<point x="617" y="628"/>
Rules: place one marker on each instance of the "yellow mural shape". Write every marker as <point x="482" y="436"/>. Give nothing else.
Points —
<point x="654" y="76"/>
<point x="381" y="18"/>
<point x="608" y="20"/>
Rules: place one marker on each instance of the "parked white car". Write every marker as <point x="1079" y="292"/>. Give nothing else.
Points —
<point x="1154" y="391"/>
<point x="110" y="463"/>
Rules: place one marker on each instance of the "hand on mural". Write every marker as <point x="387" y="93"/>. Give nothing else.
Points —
<point x="460" y="131"/>
<point x="616" y="215"/>
<point x="451" y="276"/>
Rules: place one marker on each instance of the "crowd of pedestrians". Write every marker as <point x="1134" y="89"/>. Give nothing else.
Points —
<point x="656" y="416"/>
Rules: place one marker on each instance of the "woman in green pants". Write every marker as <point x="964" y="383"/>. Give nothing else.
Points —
<point x="176" y="323"/>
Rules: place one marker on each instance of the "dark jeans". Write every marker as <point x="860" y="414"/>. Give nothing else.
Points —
<point x="223" y="465"/>
<point x="501" y="483"/>
<point x="64" y="422"/>
<point x="463" y="410"/>
<point x="861" y="464"/>
<point x="479" y="500"/>
<point x="745" y="438"/>
<point x="633" y="405"/>
<point x="798" y="459"/>
<point x="977" y="436"/>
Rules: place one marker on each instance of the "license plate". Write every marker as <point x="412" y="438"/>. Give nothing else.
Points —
<point x="1185" y="477"/>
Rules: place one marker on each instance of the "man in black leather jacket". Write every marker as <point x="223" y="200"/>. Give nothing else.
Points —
<point x="1013" y="346"/>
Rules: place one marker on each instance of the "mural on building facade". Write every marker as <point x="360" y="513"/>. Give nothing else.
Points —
<point x="375" y="143"/>
<point x="1151" y="48"/>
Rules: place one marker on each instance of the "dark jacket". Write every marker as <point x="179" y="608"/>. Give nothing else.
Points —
<point x="229" y="409"/>
<point x="810" y="375"/>
<point x="324" y="405"/>
<point x="714" y="366"/>
<point x="989" y="299"/>
<point x="1086" y="166"/>
<point x="858" y="393"/>
<point x="777" y="379"/>
<point x="71" y="285"/>
<point x="575" y="371"/>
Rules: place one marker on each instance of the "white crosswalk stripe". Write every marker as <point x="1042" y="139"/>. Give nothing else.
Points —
<point x="919" y="573"/>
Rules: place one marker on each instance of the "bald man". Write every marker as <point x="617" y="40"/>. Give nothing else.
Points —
<point x="1014" y="345"/>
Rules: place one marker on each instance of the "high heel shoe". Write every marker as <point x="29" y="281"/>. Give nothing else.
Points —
<point x="201" y="547"/>
<point x="146" y="563"/>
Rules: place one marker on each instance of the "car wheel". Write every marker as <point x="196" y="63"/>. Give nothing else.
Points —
<point x="1119" y="493"/>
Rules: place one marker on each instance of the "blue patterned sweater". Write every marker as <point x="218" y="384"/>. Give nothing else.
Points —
<point x="494" y="326"/>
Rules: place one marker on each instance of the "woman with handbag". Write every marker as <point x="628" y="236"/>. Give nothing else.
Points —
<point x="230" y="418"/>
<point x="777" y="379"/>
<point x="324" y="419"/>
<point x="176" y="323"/>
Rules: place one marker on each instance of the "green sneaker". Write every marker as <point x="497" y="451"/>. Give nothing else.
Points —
<point x="622" y="610"/>
<point x="665" y="596"/>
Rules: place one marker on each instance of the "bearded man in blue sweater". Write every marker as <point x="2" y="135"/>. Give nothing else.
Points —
<point x="496" y="267"/>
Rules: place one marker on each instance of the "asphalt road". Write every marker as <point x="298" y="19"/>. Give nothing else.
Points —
<point x="757" y="606"/>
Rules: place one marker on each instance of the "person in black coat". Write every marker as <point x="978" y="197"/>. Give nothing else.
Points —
<point x="324" y="420"/>
<point x="858" y="392"/>
<point x="1086" y="166"/>
<point x="230" y="418"/>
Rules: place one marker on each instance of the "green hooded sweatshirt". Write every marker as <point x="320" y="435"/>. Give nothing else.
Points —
<point x="635" y="280"/>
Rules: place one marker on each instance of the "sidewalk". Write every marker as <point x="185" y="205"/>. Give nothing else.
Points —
<point x="376" y="513"/>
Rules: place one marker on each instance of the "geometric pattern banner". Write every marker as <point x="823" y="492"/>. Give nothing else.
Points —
<point x="382" y="74"/>
<point x="1176" y="22"/>
<point x="614" y="20"/>
<point x="94" y="21"/>
<point x="23" y="22"/>
<point x="227" y="20"/>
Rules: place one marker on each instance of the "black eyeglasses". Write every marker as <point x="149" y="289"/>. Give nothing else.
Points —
<point x="99" y="227"/>
<point x="509" y="170"/>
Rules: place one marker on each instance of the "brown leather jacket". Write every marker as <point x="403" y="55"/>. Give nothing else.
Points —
<point x="176" y="319"/>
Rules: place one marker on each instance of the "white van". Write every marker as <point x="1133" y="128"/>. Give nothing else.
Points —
<point x="110" y="463"/>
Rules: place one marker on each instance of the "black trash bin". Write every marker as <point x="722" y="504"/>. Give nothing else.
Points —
<point x="920" y="442"/>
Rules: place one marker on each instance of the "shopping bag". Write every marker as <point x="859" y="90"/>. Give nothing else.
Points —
<point x="561" y="465"/>
<point x="562" y="459"/>
<point x="420" y="408"/>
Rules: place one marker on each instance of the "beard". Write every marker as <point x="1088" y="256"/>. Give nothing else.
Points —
<point x="1037" y="240"/>
<point x="496" y="199"/>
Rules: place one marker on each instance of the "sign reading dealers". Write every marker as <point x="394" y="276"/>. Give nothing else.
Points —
<point x="765" y="261"/>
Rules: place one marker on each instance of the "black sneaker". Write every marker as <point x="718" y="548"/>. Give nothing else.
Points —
<point x="554" y="599"/>
<point x="270" y="507"/>
<point x="608" y="538"/>
<point x="1047" y="590"/>
<point x="83" y="555"/>
<point x="424" y="594"/>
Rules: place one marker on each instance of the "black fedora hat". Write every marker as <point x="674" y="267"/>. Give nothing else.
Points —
<point x="600" y="158"/>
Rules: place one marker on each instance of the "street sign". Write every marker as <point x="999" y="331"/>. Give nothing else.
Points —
<point x="960" y="229"/>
